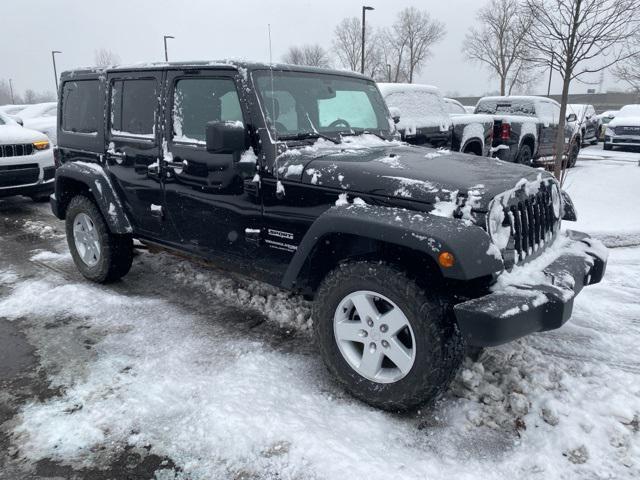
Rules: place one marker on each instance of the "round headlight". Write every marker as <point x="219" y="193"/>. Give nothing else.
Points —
<point x="555" y="200"/>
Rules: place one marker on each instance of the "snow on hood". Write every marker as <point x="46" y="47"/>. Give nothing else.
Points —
<point x="17" y="134"/>
<point x="628" y="116"/>
<point x="375" y="167"/>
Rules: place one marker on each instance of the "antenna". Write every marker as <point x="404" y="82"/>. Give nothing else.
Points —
<point x="273" y="112"/>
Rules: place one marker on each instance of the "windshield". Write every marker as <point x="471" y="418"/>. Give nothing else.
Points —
<point x="302" y="104"/>
<point x="523" y="107"/>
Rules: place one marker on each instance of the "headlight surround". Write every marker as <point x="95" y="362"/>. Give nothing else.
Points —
<point x="609" y="131"/>
<point x="500" y="235"/>
<point x="556" y="200"/>
<point x="41" y="145"/>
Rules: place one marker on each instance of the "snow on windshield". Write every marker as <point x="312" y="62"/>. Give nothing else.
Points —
<point x="505" y="105"/>
<point x="419" y="108"/>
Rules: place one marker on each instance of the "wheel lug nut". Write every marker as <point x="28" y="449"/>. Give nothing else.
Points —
<point x="385" y="344"/>
<point x="369" y="322"/>
<point x="363" y="333"/>
<point x="384" y="328"/>
<point x="372" y="347"/>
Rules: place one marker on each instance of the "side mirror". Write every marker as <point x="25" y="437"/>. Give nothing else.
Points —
<point x="19" y="121"/>
<point x="225" y="137"/>
<point x="569" y="210"/>
<point x="572" y="117"/>
<point x="395" y="114"/>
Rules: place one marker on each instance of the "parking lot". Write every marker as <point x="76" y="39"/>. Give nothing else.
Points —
<point x="186" y="371"/>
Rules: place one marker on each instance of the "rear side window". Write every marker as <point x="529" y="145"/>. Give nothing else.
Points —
<point x="200" y="100"/>
<point x="81" y="107"/>
<point x="133" y="108"/>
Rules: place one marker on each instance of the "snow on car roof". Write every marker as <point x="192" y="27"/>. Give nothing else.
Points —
<point x="632" y="110"/>
<point x="389" y="88"/>
<point x="230" y="64"/>
<point x="516" y="98"/>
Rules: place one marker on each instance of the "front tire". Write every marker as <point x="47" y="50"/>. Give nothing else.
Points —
<point x="100" y="255"/>
<point x="391" y="343"/>
<point x="574" y="151"/>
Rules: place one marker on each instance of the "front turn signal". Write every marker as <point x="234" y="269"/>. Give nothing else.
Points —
<point x="446" y="259"/>
<point x="41" y="145"/>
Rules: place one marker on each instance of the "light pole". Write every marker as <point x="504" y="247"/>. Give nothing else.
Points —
<point x="166" y="55"/>
<point x="55" y="70"/>
<point x="553" y="56"/>
<point x="364" y="11"/>
<point x="11" y="91"/>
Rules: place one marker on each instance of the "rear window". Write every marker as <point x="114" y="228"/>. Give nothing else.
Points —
<point x="81" y="107"/>
<point x="524" y="107"/>
<point x="133" y="108"/>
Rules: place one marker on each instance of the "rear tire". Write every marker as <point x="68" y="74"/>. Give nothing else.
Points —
<point x="525" y="156"/>
<point x="100" y="255"/>
<point x="429" y="335"/>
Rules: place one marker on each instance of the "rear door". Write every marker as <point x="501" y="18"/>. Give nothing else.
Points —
<point x="133" y="139"/>
<point x="212" y="198"/>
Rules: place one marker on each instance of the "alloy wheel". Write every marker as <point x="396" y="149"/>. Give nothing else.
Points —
<point x="86" y="239"/>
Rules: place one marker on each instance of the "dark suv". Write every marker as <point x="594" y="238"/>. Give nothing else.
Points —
<point x="295" y="176"/>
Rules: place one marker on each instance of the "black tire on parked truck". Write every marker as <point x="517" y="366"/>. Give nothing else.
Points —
<point x="100" y="255"/>
<point x="525" y="156"/>
<point x="429" y="337"/>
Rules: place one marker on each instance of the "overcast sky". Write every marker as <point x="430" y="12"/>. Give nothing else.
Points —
<point x="216" y="29"/>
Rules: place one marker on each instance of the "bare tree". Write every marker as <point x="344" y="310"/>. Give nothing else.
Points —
<point x="629" y="70"/>
<point x="499" y="43"/>
<point x="584" y="36"/>
<point x="409" y="42"/>
<point x="310" y="55"/>
<point x="347" y="43"/>
<point x="105" y="58"/>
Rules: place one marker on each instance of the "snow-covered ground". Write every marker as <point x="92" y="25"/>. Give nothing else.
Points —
<point x="220" y="374"/>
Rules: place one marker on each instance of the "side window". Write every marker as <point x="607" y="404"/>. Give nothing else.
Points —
<point x="556" y="113"/>
<point x="197" y="101"/>
<point x="133" y="108"/>
<point x="81" y="107"/>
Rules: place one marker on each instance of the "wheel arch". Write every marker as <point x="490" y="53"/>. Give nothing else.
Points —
<point x="473" y="146"/>
<point x="79" y="178"/>
<point x="412" y="239"/>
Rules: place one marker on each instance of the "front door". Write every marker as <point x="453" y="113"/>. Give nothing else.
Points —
<point x="211" y="198"/>
<point x="133" y="151"/>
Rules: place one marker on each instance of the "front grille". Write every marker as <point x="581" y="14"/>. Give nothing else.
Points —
<point x="16" y="150"/>
<point x="622" y="130"/>
<point x="531" y="221"/>
<point x="15" y="175"/>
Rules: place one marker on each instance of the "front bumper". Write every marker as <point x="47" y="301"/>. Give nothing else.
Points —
<point x="28" y="175"/>
<point x="515" y="310"/>
<point x="623" y="140"/>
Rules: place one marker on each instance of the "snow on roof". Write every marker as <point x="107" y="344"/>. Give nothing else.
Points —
<point x="389" y="88"/>
<point x="516" y="98"/>
<point x="630" y="111"/>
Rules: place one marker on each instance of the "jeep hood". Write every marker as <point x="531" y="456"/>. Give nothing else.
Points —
<point x="397" y="170"/>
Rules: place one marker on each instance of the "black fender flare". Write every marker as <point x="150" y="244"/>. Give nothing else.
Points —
<point x="419" y="231"/>
<point x="95" y="179"/>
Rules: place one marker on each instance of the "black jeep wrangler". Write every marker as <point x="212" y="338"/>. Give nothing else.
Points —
<point x="295" y="176"/>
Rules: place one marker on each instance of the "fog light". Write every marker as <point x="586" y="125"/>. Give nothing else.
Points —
<point x="446" y="259"/>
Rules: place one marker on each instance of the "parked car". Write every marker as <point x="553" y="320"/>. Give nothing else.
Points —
<point x="605" y="118"/>
<point x="41" y="117"/>
<point x="11" y="110"/>
<point x="294" y="175"/>
<point x="26" y="161"/>
<point x="425" y="119"/>
<point x="624" y="129"/>
<point x="525" y="129"/>
<point x="587" y="125"/>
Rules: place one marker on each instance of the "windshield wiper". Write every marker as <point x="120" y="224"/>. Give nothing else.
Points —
<point x="307" y="135"/>
<point x="362" y="131"/>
